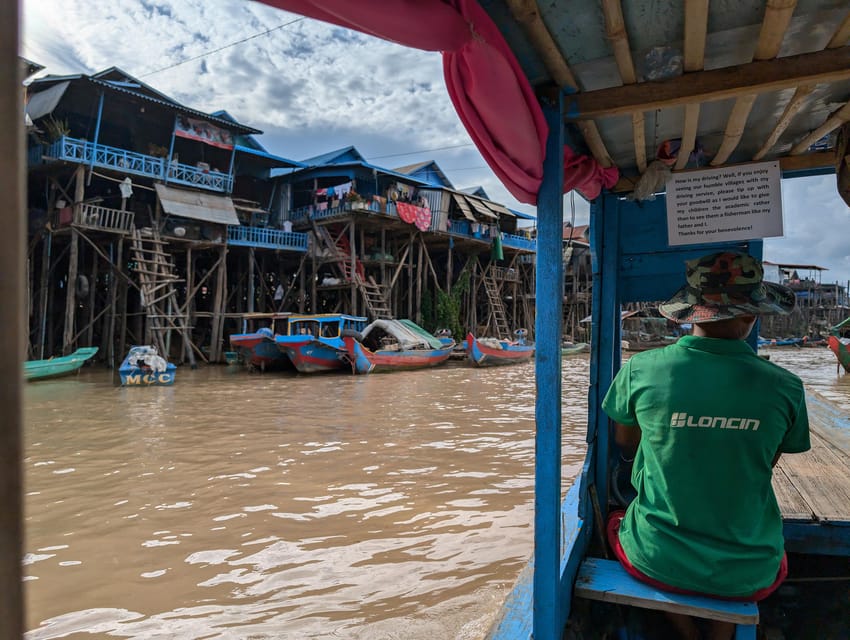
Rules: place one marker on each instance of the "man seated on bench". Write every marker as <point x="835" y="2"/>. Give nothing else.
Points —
<point x="705" y="420"/>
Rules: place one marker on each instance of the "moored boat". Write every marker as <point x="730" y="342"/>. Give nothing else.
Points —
<point x="55" y="367"/>
<point x="144" y="367"/>
<point x="491" y="352"/>
<point x="572" y="348"/>
<point x="314" y="343"/>
<point x="394" y="345"/>
<point x="256" y="344"/>
<point x="840" y="346"/>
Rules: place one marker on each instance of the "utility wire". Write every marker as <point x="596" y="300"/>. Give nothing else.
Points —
<point x="222" y="48"/>
<point x="410" y="153"/>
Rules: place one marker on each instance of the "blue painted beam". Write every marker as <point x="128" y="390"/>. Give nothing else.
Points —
<point x="548" y="620"/>
<point x="817" y="538"/>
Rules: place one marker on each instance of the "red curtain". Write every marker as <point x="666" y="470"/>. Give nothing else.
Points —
<point x="491" y="94"/>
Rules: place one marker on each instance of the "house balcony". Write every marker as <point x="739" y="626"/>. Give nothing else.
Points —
<point x="262" y="237"/>
<point x="132" y="163"/>
<point x="91" y="216"/>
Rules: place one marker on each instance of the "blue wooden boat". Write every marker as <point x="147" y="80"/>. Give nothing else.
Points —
<point x="314" y="344"/>
<point x="394" y="345"/>
<point x="144" y="367"/>
<point x="484" y="352"/>
<point x="60" y="366"/>
<point x="256" y="344"/>
<point x="780" y="342"/>
<point x="533" y="68"/>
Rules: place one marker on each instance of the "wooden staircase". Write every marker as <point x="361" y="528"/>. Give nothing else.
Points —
<point x="337" y="250"/>
<point x="497" y="317"/>
<point x="159" y="297"/>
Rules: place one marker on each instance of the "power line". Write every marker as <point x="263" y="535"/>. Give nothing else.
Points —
<point x="222" y="48"/>
<point x="410" y="153"/>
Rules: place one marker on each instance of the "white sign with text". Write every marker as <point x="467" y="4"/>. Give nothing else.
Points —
<point x="742" y="202"/>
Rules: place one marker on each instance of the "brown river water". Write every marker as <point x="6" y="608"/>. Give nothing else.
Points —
<point x="237" y="505"/>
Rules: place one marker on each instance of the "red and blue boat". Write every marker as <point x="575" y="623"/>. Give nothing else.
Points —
<point x="492" y="352"/>
<point x="256" y="344"/>
<point x="394" y="345"/>
<point x="839" y="345"/>
<point x="314" y="343"/>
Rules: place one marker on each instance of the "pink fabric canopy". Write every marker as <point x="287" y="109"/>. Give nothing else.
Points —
<point x="491" y="94"/>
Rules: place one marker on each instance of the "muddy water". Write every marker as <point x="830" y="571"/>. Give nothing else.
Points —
<point x="282" y="506"/>
<point x="279" y="506"/>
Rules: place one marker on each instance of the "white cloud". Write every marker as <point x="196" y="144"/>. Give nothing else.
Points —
<point x="313" y="87"/>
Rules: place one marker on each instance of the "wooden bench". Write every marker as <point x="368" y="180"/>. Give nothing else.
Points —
<point x="607" y="581"/>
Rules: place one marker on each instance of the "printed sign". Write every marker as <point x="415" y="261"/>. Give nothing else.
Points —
<point x="203" y="131"/>
<point x="742" y="202"/>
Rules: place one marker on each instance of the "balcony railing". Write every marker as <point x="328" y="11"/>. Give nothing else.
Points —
<point x="130" y="162"/>
<point x="519" y="242"/>
<point x="94" y="217"/>
<point x="266" y="238"/>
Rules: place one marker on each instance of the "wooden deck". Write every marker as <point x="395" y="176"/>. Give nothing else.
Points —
<point x="813" y="488"/>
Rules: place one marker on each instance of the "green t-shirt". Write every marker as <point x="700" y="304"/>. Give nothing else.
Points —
<point x="712" y="415"/>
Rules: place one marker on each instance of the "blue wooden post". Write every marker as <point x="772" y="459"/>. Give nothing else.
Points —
<point x="230" y="171"/>
<point x="170" y="151"/>
<point x="605" y="331"/>
<point x="96" y="132"/>
<point x="548" y="619"/>
<point x="755" y="249"/>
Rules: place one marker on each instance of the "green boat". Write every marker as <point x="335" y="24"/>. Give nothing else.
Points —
<point x="55" y="367"/>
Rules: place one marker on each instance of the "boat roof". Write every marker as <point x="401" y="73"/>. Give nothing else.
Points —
<point x="324" y="316"/>
<point x="736" y="81"/>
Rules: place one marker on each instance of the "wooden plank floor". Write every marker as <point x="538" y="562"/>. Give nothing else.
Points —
<point x="815" y="486"/>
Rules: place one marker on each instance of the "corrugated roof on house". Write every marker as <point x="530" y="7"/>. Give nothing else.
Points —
<point x="429" y="171"/>
<point x="196" y="205"/>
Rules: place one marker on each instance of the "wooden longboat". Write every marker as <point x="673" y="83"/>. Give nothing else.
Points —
<point x="256" y="344"/>
<point x="838" y="345"/>
<point x="313" y="343"/>
<point x="394" y="345"/>
<point x="493" y="353"/>
<point x="59" y="366"/>
<point x="713" y="88"/>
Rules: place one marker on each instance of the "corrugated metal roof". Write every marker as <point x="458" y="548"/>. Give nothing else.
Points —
<point x="463" y="205"/>
<point x="197" y="205"/>
<point x="480" y="207"/>
<point x="44" y="102"/>
<point x="273" y="160"/>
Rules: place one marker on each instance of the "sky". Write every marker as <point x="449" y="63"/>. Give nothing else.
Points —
<point x="312" y="88"/>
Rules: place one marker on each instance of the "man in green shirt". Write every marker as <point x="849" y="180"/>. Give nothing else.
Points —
<point x="705" y="420"/>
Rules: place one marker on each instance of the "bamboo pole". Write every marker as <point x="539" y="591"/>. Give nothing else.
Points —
<point x="797" y="102"/>
<point x="833" y="122"/>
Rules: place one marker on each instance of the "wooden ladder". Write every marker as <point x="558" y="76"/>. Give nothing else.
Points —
<point x="373" y="294"/>
<point x="159" y="297"/>
<point x="497" y="317"/>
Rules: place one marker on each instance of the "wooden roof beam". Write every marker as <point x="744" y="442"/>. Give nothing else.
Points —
<point x="615" y="29"/>
<point x="797" y="102"/>
<point x="717" y="84"/>
<point x="777" y="16"/>
<point x="696" y="28"/>
<point x="832" y="123"/>
<point x="841" y="35"/>
<point x="528" y="15"/>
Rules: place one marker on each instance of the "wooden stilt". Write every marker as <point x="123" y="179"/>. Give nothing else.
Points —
<point x="47" y="242"/>
<point x="73" y="260"/>
<point x="420" y="281"/>
<point x="353" y="267"/>
<point x="218" y="302"/>
<point x="251" y="291"/>
<point x="410" y="280"/>
<point x="188" y="310"/>
<point x="92" y="300"/>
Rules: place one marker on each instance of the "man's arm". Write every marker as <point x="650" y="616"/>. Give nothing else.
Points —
<point x="627" y="438"/>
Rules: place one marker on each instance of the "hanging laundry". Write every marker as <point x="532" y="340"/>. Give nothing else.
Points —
<point x="407" y="212"/>
<point x="321" y="192"/>
<point x="278" y="293"/>
<point x="423" y="218"/>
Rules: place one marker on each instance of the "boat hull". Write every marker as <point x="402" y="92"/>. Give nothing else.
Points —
<point x="57" y="367"/>
<point x="483" y="355"/>
<point x="841" y="351"/>
<point x="363" y="360"/>
<point x="258" y="350"/>
<point x="144" y="377"/>
<point x="312" y="355"/>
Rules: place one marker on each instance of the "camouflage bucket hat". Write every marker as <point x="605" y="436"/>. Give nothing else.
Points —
<point x="726" y="285"/>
